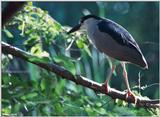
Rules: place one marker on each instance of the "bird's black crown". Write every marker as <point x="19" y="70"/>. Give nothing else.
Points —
<point x="89" y="16"/>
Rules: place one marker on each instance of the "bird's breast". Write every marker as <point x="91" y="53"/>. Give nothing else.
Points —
<point x="103" y="42"/>
<point x="90" y="33"/>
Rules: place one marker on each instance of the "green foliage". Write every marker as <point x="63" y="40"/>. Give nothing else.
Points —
<point x="8" y="33"/>
<point x="67" y="62"/>
<point x="36" y="92"/>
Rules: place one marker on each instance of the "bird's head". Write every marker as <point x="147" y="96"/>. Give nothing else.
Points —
<point x="84" y="22"/>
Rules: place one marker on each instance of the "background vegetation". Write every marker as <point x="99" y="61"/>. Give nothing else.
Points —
<point x="40" y="29"/>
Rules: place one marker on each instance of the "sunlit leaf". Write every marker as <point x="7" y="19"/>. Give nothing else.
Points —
<point x="30" y="42"/>
<point x="8" y="33"/>
<point x="36" y="50"/>
<point x="57" y="26"/>
<point x="23" y="26"/>
<point x="30" y="3"/>
<point x="6" y="110"/>
<point x="80" y="43"/>
<point x="98" y="104"/>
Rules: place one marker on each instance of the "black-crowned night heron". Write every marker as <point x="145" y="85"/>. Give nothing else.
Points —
<point x="115" y="41"/>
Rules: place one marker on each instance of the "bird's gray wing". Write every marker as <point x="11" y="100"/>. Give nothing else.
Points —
<point x="118" y="33"/>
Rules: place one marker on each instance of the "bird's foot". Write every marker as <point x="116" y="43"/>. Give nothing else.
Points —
<point x="107" y="87"/>
<point x="131" y="95"/>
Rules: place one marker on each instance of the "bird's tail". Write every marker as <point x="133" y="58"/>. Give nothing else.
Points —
<point x="143" y="63"/>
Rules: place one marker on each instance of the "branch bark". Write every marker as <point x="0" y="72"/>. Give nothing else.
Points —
<point x="79" y="80"/>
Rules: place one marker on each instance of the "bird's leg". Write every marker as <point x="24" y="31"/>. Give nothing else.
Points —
<point x="125" y="75"/>
<point x="106" y="83"/>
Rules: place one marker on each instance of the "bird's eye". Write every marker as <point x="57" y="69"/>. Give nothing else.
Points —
<point x="81" y="21"/>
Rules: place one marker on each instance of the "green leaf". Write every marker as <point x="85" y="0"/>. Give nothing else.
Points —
<point x="33" y="75"/>
<point x="29" y="3"/>
<point x="6" y="79"/>
<point x="98" y="104"/>
<point x="90" y="111"/>
<point x="30" y="42"/>
<point x="36" y="50"/>
<point x="23" y="27"/>
<point x="101" y="111"/>
<point x="47" y="110"/>
<point x="8" y="33"/>
<point x="67" y="62"/>
<point x="42" y="59"/>
<point x="28" y="32"/>
<point x="57" y="26"/>
<point x="6" y="110"/>
<point x="80" y="43"/>
<point x="29" y="96"/>
<point x="58" y="108"/>
<point x="43" y="84"/>
<point x="87" y="50"/>
<point x="120" y="102"/>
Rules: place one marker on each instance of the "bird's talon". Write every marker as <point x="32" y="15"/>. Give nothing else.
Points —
<point x="107" y="87"/>
<point x="131" y="95"/>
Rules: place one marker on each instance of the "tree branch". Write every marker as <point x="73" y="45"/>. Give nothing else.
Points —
<point x="79" y="80"/>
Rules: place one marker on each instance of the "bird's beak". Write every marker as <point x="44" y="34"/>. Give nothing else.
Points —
<point x="75" y="28"/>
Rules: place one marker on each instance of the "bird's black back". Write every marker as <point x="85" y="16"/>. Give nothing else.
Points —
<point x="118" y="33"/>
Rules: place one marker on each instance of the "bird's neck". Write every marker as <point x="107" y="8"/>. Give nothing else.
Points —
<point x="91" y="26"/>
